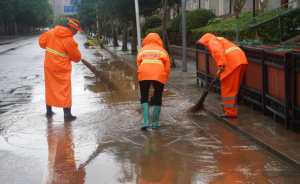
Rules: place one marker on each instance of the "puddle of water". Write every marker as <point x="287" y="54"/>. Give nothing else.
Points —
<point x="6" y="108"/>
<point x="21" y="90"/>
<point x="31" y="76"/>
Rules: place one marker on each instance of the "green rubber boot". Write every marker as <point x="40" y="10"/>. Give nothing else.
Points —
<point x="146" y="124"/>
<point x="156" y="111"/>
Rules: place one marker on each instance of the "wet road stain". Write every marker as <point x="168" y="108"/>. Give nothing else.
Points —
<point x="21" y="90"/>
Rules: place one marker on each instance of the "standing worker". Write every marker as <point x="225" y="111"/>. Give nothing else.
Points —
<point x="61" y="49"/>
<point x="153" y="68"/>
<point x="232" y="64"/>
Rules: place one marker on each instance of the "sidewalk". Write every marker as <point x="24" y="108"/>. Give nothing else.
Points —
<point x="259" y="129"/>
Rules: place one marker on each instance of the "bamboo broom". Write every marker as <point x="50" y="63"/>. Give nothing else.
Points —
<point x="199" y="105"/>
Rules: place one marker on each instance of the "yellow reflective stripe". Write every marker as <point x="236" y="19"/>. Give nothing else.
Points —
<point x="152" y="61"/>
<point x="229" y="106"/>
<point x="228" y="98"/>
<point x="231" y="49"/>
<point x="74" y="23"/>
<point x="158" y="51"/>
<point x="221" y="38"/>
<point x="56" y="53"/>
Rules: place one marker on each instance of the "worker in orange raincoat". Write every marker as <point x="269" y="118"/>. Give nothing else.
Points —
<point x="153" y="68"/>
<point x="61" y="49"/>
<point x="232" y="64"/>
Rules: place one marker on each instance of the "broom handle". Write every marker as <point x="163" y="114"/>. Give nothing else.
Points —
<point x="218" y="74"/>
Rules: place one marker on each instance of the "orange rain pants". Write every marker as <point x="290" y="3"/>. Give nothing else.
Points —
<point x="229" y="89"/>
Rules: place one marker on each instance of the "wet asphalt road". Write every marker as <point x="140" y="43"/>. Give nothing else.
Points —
<point x="105" y="144"/>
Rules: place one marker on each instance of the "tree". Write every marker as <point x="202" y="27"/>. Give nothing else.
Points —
<point x="164" y="24"/>
<point x="263" y="5"/>
<point x="237" y="7"/>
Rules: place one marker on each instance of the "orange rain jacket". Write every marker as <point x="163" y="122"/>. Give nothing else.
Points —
<point x="61" y="49"/>
<point x="224" y="52"/>
<point x="153" y="61"/>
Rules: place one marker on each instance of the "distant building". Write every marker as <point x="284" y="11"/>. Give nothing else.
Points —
<point x="66" y="7"/>
<point x="222" y="7"/>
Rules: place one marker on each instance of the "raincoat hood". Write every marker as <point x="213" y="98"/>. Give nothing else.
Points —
<point x="62" y="31"/>
<point x="205" y="39"/>
<point x="152" y="38"/>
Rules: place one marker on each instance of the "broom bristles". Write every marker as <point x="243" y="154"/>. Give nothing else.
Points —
<point x="199" y="105"/>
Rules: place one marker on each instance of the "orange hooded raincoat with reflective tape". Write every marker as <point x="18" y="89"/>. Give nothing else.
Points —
<point x="224" y="52"/>
<point x="233" y="58"/>
<point x="61" y="49"/>
<point x="153" y="61"/>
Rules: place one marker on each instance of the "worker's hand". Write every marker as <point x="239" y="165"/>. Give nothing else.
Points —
<point x="221" y="68"/>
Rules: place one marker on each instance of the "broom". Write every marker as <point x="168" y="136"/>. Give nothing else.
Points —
<point x="199" y="105"/>
<point x="125" y="95"/>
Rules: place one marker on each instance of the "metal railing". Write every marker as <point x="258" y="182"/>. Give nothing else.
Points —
<point x="278" y="15"/>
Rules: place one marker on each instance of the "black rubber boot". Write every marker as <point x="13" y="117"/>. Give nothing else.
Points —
<point x="49" y="111"/>
<point x="68" y="115"/>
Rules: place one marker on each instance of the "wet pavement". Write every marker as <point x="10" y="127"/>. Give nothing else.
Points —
<point x="105" y="144"/>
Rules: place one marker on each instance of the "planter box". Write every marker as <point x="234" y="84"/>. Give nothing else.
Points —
<point x="296" y="90"/>
<point x="206" y="67"/>
<point x="277" y="85"/>
<point x="252" y="86"/>
<point x="201" y="58"/>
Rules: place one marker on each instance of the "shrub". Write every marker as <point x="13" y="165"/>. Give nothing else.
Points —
<point x="214" y="20"/>
<point x="198" y="18"/>
<point x="152" y="22"/>
<point x="268" y="31"/>
<point x="158" y="30"/>
<point x="177" y="23"/>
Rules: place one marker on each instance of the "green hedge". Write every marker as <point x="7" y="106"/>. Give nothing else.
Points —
<point x="152" y="22"/>
<point x="198" y="18"/>
<point x="158" y="30"/>
<point x="268" y="32"/>
<point x="177" y="23"/>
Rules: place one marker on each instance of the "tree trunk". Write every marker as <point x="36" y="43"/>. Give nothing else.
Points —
<point x="95" y="27"/>
<point x="164" y="24"/>
<point x="100" y="29"/>
<point x="124" y="46"/>
<point x="13" y="28"/>
<point x="9" y="28"/>
<point x="237" y="7"/>
<point x="134" y="37"/>
<point x="4" y="24"/>
<point x="263" y="6"/>
<point x="112" y="22"/>
<point x="18" y="27"/>
<point x="105" y="28"/>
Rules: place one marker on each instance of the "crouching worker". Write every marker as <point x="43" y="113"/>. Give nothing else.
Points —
<point x="153" y="68"/>
<point x="61" y="49"/>
<point x="232" y="63"/>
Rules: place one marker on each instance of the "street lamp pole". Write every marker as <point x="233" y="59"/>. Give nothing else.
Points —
<point x="253" y="8"/>
<point x="183" y="9"/>
<point x="137" y="15"/>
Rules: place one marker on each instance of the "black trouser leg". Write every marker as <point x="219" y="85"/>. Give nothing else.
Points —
<point x="158" y="90"/>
